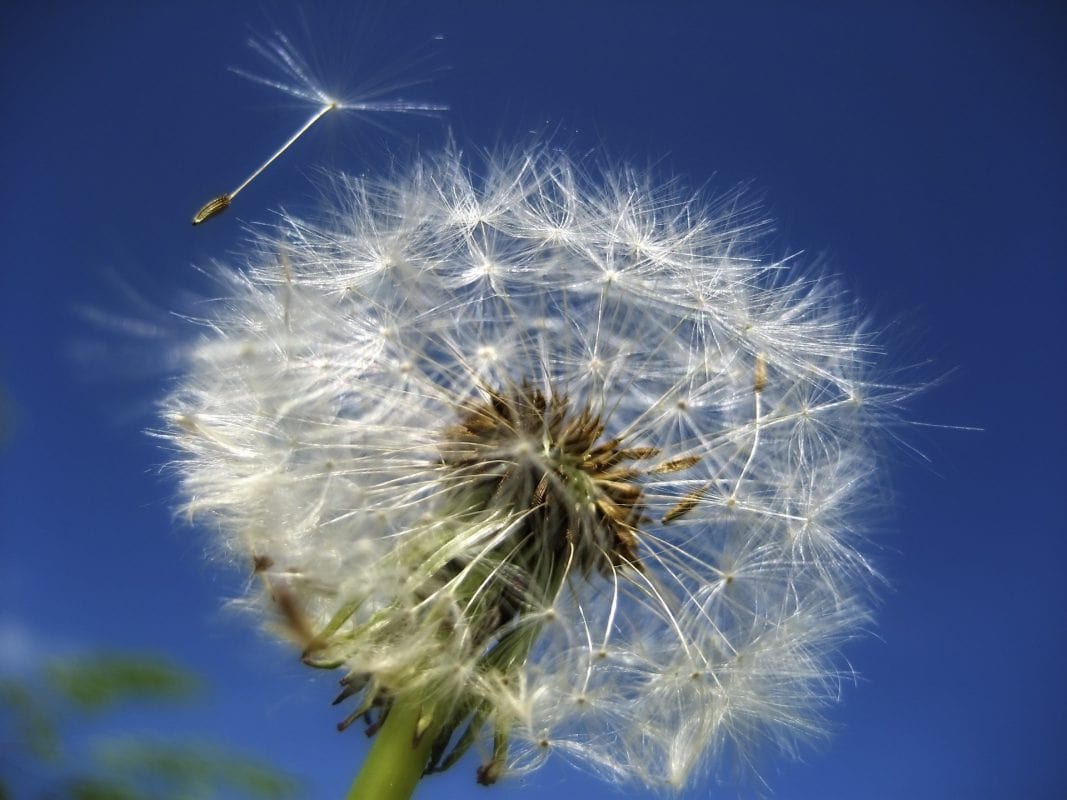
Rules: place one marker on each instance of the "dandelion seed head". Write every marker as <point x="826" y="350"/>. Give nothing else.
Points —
<point x="552" y="447"/>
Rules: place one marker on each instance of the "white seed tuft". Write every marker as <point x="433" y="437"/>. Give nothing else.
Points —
<point x="555" y="449"/>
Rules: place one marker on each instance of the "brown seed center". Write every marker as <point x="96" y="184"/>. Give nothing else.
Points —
<point x="526" y="453"/>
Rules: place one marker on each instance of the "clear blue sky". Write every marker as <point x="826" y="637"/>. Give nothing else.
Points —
<point x="919" y="147"/>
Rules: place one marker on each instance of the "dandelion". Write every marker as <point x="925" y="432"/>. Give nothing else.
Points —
<point x="547" y="461"/>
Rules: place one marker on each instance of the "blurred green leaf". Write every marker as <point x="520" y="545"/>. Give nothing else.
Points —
<point x="99" y="789"/>
<point x="186" y="771"/>
<point x="96" y="683"/>
<point x="31" y="723"/>
<point x="41" y="754"/>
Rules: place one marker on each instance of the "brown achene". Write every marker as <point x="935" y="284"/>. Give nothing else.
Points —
<point x="522" y="451"/>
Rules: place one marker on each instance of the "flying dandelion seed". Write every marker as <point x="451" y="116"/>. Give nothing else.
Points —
<point x="298" y="82"/>
<point x="546" y="461"/>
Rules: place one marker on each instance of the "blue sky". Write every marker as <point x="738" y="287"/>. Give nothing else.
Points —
<point x="918" y="148"/>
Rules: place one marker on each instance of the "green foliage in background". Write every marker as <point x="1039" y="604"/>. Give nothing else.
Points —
<point x="96" y="684"/>
<point x="38" y="761"/>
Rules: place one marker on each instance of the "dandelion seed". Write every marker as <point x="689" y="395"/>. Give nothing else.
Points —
<point x="297" y="81"/>
<point x="212" y="207"/>
<point x="687" y="504"/>
<point x="759" y="380"/>
<point x="222" y="202"/>
<point x="527" y="499"/>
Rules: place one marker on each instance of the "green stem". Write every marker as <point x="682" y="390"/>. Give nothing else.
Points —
<point x="396" y="760"/>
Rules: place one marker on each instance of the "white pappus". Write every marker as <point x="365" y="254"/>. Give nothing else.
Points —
<point x="551" y="446"/>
